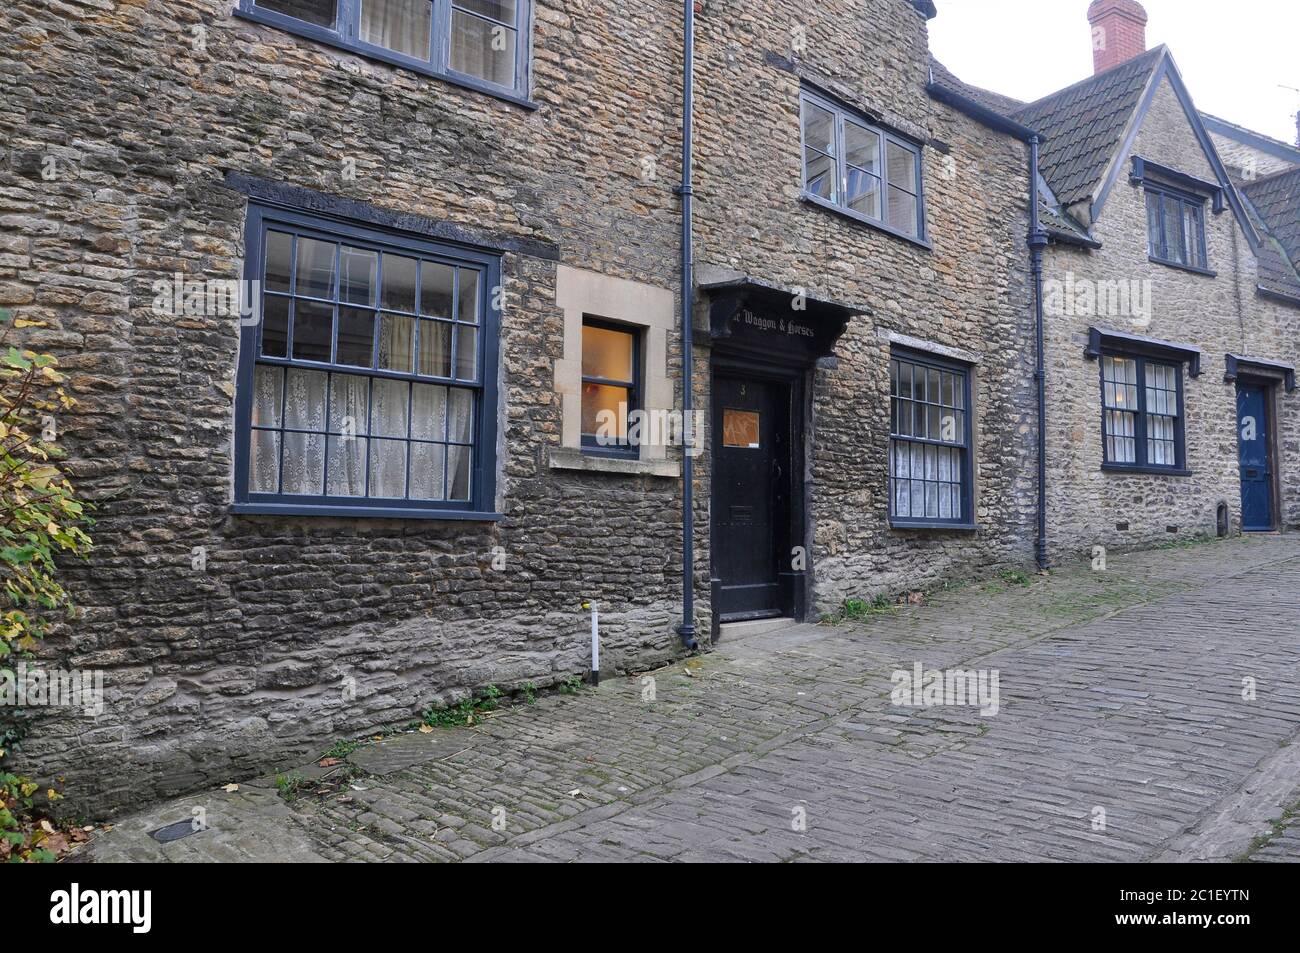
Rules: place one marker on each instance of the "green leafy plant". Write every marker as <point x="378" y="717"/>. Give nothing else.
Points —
<point x="860" y="610"/>
<point x="40" y="518"/>
<point x="465" y="712"/>
<point x="289" y="784"/>
<point x="571" y="685"/>
<point x="341" y="749"/>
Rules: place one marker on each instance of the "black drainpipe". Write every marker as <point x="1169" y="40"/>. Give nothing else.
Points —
<point x="1037" y="242"/>
<point x="687" y="629"/>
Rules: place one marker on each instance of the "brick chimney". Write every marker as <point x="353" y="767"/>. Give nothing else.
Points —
<point x="1119" y="32"/>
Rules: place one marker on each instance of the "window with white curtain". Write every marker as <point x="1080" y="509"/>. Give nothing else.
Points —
<point x="1142" y="421"/>
<point x="367" y="381"/>
<point x="478" y="41"/>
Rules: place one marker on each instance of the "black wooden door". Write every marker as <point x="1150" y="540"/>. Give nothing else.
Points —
<point x="751" y="494"/>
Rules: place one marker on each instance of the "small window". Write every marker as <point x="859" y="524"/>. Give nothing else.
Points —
<point x="1141" y="413"/>
<point x="610" y="386"/>
<point x="861" y="169"/>
<point x="929" y="447"/>
<point x="474" y="40"/>
<point x="1176" y="229"/>
<point x="365" y="379"/>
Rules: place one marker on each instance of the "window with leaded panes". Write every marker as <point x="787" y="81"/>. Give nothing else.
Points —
<point x="1141" y="412"/>
<point x="1176" y="228"/>
<point x="930" y="442"/>
<point x="366" y="383"/>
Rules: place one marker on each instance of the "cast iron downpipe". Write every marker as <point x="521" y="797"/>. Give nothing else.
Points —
<point x="1037" y="242"/>
<point x="687" y="629"/>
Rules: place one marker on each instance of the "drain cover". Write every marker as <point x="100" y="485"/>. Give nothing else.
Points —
<point x="165" y="835"/>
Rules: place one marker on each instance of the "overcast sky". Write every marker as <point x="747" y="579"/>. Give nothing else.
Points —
<point x="1234" y="54"/>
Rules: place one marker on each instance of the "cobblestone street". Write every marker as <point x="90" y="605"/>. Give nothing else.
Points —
<point x="1121" y="734"/>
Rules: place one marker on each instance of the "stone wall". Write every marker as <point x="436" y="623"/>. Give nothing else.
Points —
<point x="1220" y="314"/>
<point x="969" y="291"/>
<point x="1245" y="160"/>
<point x="302" y="630"/>
<point x="214" y="674"/>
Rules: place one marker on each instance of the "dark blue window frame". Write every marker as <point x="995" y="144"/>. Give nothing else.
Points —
<point x="966" y="444"/>
<point x="482" y="481"/>
<point x="842" y="114"/>
<point x="1158" y="247"/>
<point x="343" y="34"/>
<point x="1141" y="412"/>
<point x="590" y="444"/>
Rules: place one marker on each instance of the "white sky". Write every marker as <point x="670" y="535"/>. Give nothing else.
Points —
<point x="1233" y="54"/>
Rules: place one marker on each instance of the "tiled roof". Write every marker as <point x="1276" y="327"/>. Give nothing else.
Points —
<point x="1274" y="202"/>
<point x="1061" y="223"/>
<point x="1004" y="105"/>
<point x="1083" y="124"/>
<point x="1277" y="199"/>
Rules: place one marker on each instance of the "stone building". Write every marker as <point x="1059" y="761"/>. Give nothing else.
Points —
<point x="1171" y="302"/>
<point x="1171" y="314"/>
<point x="374" y="315"/>
<point x="384" y="480"/>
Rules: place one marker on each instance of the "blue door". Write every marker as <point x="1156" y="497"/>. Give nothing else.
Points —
<point x="1256" y="458"/>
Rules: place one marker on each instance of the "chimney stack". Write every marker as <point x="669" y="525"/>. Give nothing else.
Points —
<point x="1119" y="32"/>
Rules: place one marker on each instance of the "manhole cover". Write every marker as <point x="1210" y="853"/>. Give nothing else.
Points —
<point x="165" y="835"/>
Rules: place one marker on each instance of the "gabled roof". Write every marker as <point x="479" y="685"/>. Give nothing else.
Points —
<point x="1084" y="124"/>
<point x="1086" y="130"/>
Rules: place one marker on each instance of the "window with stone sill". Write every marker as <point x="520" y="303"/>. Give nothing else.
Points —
<point x="1176" y="228"/>
<point x="363" y="384"/>
<point x="481" y="42"/>
<point x="861" y="169"/>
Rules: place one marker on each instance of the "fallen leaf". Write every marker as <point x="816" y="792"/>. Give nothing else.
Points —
<point x="329" y="762"/>
<point x="47" y="827"/>
<point x="231" y="788"/>
<point x="426" y="729"/>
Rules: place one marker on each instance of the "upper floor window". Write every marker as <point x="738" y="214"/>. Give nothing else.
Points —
<point x="861" y="169"/>
<point x="365" y="385"/>
<point x="474" y="41"/>
<point x="930" y="442"/>
<point x="1142" y="421"/>
<point x="610" y="385"/>
<point x="1176" y="228"/>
